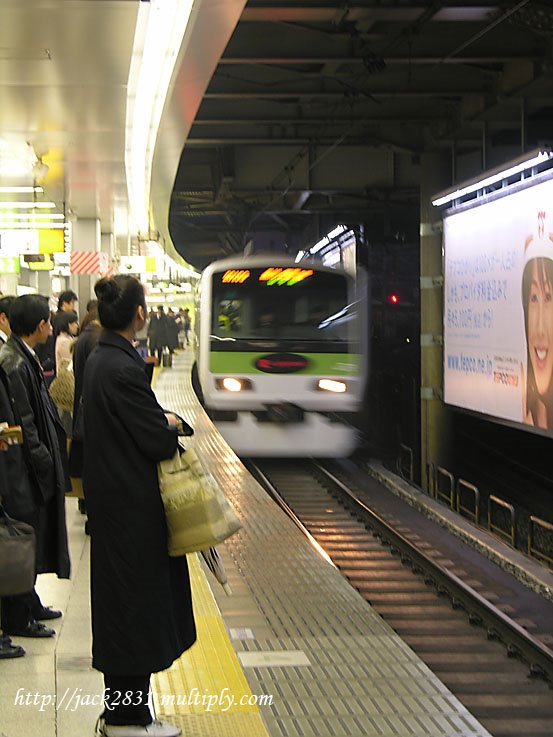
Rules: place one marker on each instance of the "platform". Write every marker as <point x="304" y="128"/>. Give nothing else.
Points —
<point x="294" y="632"/>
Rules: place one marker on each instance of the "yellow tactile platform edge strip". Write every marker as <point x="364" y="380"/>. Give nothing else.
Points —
<point x="207" y="681"/>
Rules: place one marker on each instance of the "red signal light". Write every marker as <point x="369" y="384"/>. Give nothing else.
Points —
<point x="394" y="299"/>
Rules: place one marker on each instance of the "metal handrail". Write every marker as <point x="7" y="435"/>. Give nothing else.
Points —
<point x="496" y="529"/>
<point x="473" y="513"/>
<point x="438" y="493"/>
<point x="532" y="550"/>
<point x="405" y="450"/>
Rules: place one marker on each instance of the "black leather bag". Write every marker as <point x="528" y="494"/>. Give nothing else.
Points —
<point x="17" y="556"/>
<point x="78" y="423"/>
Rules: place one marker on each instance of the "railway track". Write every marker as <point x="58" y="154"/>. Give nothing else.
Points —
<point x="500" y="672"/>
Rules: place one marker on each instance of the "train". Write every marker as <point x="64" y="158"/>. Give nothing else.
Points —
<point x="282" y="355"/>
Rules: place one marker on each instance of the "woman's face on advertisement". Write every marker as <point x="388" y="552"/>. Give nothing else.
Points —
<point x="540" y="328"/>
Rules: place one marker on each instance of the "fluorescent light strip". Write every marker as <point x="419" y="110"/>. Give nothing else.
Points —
<point x="20" y="190"/>
<point x="338" y="230"/>
<point x="493" y="178"/>
<point x="26" y="205"/>
<point x="38" y="217"/>
<point x="14" y="225"/>
<point x="150" y="73"/>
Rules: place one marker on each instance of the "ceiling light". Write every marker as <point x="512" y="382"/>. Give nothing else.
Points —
<point x="496" y="176"/>
<point x="26" y="205"/>
<point x="20" y="190"/>
<point x="150" y="73"/>
<point x="18" y="225"/>
<point x="40" y="216"/>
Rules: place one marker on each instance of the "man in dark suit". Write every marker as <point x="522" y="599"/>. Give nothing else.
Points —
<point x="5" y="330"/>
<point x="44" y="453"/>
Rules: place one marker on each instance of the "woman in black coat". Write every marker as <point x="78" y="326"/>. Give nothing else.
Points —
<point x="142" y="617"/>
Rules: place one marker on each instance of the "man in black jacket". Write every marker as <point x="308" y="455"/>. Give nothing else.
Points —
<point x="13" y="481"/>
<point x="44" y="452"/>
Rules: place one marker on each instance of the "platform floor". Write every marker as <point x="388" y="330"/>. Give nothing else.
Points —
<point x="294" y="632"/>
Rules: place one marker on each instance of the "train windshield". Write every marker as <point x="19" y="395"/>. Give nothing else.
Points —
<point x="284" y="305"/>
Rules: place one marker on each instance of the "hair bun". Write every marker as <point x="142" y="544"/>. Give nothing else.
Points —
<point x="107" y="290"/>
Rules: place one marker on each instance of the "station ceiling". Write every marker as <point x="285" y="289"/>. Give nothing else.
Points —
<point x="302" y="113"/>
<point x="320" y="111"/>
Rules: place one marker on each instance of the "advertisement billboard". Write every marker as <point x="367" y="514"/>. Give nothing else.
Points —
<point x="498" y="308"/>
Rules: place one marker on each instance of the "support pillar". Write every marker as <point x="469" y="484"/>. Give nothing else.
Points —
<point x="435" y="417"/>
<point x="86" y="237"/>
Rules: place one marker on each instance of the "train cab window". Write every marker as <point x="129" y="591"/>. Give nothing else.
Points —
<point x="316" y="310"/>
<point x="227" y="317"/>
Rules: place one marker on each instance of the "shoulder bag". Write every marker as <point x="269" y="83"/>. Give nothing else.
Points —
<point x="198" y="514"/>
<point x="17" y="556"/>
<point x="62" y="389"/>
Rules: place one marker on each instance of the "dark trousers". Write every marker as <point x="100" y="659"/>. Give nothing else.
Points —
<point x="133" y="691"/>
<point x="18" y="611"/>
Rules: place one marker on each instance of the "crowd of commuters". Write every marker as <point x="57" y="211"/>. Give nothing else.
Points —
<point x="119" y="434"/>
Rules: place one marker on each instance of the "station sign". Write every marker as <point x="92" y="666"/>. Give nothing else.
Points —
<point x="18" y="242"/>
<point x="51" y="240"/>
<point x="37" y="262"/>
<point x="28" y="242"/>
<point x="9" y="264"/>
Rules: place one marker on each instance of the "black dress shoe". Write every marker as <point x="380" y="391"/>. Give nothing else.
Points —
<point x="47" y="613"/>
<point x="8" y="649"/>
<point x="33" y="629"/>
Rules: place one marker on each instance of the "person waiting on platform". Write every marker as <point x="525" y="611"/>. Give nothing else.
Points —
<point x="68" y="325"/>
<point x="5" y="330"/>
<point x="186" y="324"/>
<point x="142" y="617"/>
<point x="44" y="453"/>
<point x="157" y="333"/>
<point x="46" y="352"/>
<point x="15" y="486"/>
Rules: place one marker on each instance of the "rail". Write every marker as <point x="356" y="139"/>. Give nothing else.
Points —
<point x="498" y="625"/>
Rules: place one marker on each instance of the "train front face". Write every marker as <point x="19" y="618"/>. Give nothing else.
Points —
<point x="284" y="369"/>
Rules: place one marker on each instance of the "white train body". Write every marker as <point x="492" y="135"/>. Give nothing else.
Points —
<point x="282" y="355"/>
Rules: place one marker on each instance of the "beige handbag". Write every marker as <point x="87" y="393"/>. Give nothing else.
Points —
<point x="198" y="513"/>
<point x="62" y="389"/>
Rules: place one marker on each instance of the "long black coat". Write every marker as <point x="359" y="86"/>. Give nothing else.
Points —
<point x="158" y="332"/>
<point x="15" y="485"/>
<point x="83" y="348"/>
<point x="142" y="616"/>
<point x="44" y="452"/>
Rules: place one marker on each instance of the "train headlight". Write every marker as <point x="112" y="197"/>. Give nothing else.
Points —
<point x="232" y="384"/>
<point x="332" y="385"/>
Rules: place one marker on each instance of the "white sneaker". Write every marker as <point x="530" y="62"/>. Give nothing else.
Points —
<point x="156" y="729"/>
